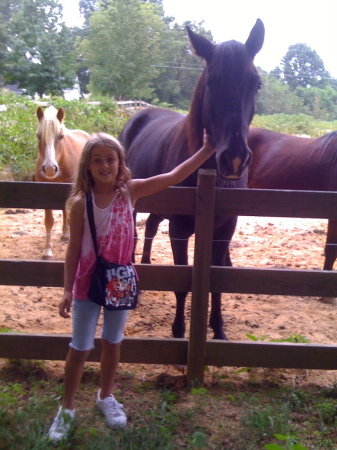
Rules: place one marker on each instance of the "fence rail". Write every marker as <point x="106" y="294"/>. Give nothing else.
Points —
<point x="206" y="202"/>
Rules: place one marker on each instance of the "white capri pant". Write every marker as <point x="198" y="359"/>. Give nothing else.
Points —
<point x="85" y="317"/>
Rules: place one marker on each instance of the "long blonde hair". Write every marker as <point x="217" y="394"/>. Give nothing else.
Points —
<point x="84" y="180"/>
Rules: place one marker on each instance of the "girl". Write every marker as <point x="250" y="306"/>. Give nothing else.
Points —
<point x="102" y="170"/>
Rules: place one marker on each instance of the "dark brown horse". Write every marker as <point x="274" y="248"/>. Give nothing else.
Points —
<point x="157" y="140"/>
<point x="59" y="152"/>
<point x="296" y="163"/>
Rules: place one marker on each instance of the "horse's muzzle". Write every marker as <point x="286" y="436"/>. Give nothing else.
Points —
<point x="233" y="168"/>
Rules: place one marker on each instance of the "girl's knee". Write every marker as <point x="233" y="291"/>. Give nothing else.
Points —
<point x="78" y="355"/>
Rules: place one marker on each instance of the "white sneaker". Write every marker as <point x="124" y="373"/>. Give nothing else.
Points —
<point x="112" y="410"/>
<point x="61" y="425"/>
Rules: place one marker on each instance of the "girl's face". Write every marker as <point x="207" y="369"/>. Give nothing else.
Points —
<point x="104" y="164"/>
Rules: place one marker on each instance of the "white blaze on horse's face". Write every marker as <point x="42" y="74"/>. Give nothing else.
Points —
<point x="50" y="133"/>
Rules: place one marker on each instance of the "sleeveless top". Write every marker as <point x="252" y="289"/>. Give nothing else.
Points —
<point x="115" y="240"/>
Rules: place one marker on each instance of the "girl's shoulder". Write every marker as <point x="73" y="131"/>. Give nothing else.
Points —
<point x="78" y="204"/>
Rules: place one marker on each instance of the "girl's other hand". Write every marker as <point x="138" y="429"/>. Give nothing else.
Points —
<point x="65" y="305"/>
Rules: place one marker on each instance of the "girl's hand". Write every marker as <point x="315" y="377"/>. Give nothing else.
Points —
<point x="65" y="305"/>
<point x="209" y="144"/>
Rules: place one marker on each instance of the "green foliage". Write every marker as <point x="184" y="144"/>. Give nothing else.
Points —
<point x="18" y="124"/>
<point x="290" y="442"/>
<point x="276" y="97"/>
<point x="302" y="66"/>
<point x="121" y="48"/>
<point x="237" y="415"/>
<point x="294" y="124"/>
<point x="178" y="69"/>
<point x="39" y="56"/>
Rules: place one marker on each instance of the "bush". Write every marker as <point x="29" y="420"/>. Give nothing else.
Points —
<point x="18" y="124"/>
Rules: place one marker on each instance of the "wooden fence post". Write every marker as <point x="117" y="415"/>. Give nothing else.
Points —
<point x="201" y="276"/>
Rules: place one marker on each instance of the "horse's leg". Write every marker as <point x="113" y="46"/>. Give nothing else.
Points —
<point x="330" y="252"/>
<point x="65" y="227"/>
<point x="220" y="257"/>
<point x="48" y="222"/>
<point x="181" y="229"/>
<point x="151" y="228"/>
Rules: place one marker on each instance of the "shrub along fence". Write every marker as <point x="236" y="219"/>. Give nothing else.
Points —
<point x="205" y="202"/>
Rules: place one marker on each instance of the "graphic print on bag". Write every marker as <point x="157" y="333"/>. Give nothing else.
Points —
<point x="121" y="287"/>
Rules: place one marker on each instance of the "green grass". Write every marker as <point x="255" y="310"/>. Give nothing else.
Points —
<point x="164" y="414"/>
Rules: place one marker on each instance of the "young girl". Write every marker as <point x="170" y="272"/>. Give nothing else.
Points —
<point x="102" y="170"/>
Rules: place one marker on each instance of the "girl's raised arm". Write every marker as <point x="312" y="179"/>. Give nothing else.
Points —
<point x="142" y="187"/>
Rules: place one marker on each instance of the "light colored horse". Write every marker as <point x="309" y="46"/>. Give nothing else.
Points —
<point x="59" y="152"/>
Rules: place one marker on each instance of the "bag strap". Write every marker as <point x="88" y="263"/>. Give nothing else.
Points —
<point x="90" y="212"/>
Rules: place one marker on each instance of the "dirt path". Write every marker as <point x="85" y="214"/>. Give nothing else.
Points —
<point x="258" y="242"/>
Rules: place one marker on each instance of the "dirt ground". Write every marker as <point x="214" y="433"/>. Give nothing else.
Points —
<point x="258" y="242"/>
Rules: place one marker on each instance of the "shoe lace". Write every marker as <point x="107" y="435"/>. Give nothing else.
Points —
<point x="113" y="407"/>
<point x="62" y="422"/>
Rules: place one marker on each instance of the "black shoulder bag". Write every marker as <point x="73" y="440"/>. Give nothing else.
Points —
<point x="112" y="285"/>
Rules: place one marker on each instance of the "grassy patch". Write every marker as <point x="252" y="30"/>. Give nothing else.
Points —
<point x="164" y="414"/>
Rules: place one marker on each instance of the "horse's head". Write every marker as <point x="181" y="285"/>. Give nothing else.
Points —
<point x="225" y="97"/>
<point x="50" y="134"/>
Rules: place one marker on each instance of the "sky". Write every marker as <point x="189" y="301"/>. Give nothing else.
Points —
<point x="287" y="22"/>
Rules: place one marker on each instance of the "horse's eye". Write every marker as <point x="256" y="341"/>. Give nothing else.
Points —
<point x="61" y="137"/>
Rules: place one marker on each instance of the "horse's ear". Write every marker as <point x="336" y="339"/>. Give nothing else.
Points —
<point x="255" y="40"/>
<point x="60" y="115"/>
<point x="202" y="47"/>
<point x="39" y="113"/>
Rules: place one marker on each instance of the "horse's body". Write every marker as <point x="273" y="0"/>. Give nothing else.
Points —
<point x="59" y="150"/>
<point x="156" y="140"/>
<point x="296" y="163"/>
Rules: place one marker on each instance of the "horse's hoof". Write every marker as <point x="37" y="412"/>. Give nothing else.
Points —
<point x="47" y="257"/>
<point x="220" y="336"/>
<point x="65" y="238"/>
<point x="329" y="300"/>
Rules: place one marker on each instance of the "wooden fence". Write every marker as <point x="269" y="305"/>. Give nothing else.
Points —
<point x="205" y="202"/>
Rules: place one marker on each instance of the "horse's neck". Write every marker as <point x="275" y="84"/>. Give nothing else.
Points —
<point x="194" y="122"/>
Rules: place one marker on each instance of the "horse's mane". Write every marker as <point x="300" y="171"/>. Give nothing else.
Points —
<point x="50" y="125"/>
<point x="328" y="139"/>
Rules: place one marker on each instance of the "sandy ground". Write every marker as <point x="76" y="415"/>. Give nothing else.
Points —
<point x="258" y="242"/>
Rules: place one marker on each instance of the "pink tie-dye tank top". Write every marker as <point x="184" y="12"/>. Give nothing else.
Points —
<point x="115" y="239"/>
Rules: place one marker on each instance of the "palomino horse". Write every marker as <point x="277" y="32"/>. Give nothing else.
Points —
<point x="296" y="163"/>
<point x="59" y="152"/>
<point x="156" y="140"/>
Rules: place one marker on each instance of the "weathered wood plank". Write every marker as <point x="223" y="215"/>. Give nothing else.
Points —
<point x="174" y="351"/>
<point x="316" y="283"/>
<point x="272" y="355"/>
<point x="36" y="195"/>
<point x="50" y="273"/>
<point x="55" y="348"/>
<point x="201" y="275"/>
<point x="177" y="200"/>
<point x="274" y="281"/>
<point x="276" y="203"/>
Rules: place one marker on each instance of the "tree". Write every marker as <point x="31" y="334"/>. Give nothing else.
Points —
<point x="39" y="56"/>
<point x="121" y="49"/>
<point x="178" y="68"/>
<point x="321" y="103"/>
<point x="302" y="66"/>
<point x="5" y="16"/>
<point x="276" y="97"/>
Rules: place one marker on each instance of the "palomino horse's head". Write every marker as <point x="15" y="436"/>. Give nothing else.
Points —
<point x="50" y="133"/>
<point x="227" y="92"/>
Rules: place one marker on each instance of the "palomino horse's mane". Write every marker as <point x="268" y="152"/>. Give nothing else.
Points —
<point x="49" y="126"/>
